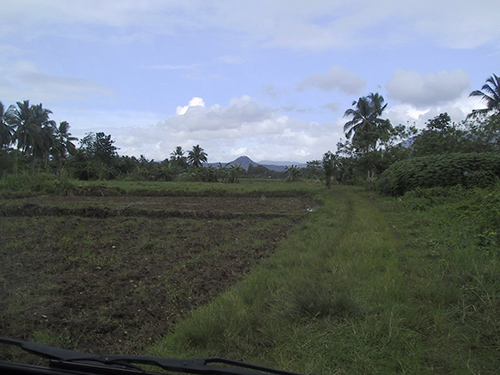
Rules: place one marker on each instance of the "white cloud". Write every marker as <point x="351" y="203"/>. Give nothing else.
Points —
<point x="195" y="102"/>
<point x="424" y="90"/>
<point x="242" y="127"/>
<point x="336" y="78"/>
<point x="458" y="109"/>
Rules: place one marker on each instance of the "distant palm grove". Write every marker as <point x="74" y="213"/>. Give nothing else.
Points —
<point x="374" y="150"/>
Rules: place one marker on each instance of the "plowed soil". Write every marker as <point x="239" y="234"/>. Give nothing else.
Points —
<point x="113" y="274"/>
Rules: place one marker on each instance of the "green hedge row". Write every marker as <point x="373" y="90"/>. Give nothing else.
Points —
<point x="471" y="169"/>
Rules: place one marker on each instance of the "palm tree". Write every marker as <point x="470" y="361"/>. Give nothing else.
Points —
<point x="177" y="156"/>
<point x="64" y="138"/>
<point x="490" y="94"/>
<point x="46" y="128"/>
<point x="32" y="127"/>
<point x="197" y="156"/>
<point x="366" y="123"/>
<point x="63" y="144"/>
<point x="5" y="129"/>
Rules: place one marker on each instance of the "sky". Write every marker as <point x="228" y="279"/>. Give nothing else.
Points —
<point x="268" y="79"/>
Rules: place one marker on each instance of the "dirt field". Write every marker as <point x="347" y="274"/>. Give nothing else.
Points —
<point x="113" y="274"/>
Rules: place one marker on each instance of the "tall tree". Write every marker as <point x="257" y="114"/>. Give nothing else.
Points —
<point x="64" y="138"/>
<point x="33" y="129"/>
<point x="63" y="144"/>
<point x="197" y="156"/>
<point x="99" y="146"/>
<point x="177" y="156"/>
<point x="490" y="93"/>
<point x="5" y="129"/>
<point x="366" y="122"/>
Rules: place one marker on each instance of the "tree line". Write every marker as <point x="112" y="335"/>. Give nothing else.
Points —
<point x="30" y="140"/>
<point x="373" y="144"/>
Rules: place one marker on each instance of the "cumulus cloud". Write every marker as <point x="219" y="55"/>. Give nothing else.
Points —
<point x="242" y="114"/>
<point x="458" y="109"/>
<point x="423" y="90"/>
<point x="195" y="102"/>
<point x="336" y="78"/>
<point x="241" y="127"/>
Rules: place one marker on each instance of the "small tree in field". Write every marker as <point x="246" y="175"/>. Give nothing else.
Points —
<point x="293" y="173"/>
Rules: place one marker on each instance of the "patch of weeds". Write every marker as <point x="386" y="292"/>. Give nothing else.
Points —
<point x="317" y="299"/>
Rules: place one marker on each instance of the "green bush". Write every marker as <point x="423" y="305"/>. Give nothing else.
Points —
<point x="470" y="170"/>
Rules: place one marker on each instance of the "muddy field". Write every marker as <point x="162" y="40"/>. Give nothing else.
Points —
<point x="113" y="274"/>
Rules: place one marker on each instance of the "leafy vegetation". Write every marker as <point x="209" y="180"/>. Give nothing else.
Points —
<point x="470" y="170"/>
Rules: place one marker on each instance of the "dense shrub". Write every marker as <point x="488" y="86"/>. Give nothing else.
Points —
<point x="27" y="184"/>
<point x="471" y="169"/>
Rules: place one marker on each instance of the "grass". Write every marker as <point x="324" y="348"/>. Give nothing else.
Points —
<point x="246" y="187"/>
<point x="366" y="285"/>
<point x="33" y="184"/>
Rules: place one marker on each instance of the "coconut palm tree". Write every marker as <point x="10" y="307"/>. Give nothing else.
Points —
<point x="33" y="131"/>
<point x="64" y="138"/>
<point x="490" y="93"/>
<point x="177" y="156"/>
<point x="5" y="129"/>
<point x="32" y="127"/>
<point x="366" y="123"/>
<point x="197" y="156"/>
<point x="46" y="129"/>
<point x="63" y="144"/>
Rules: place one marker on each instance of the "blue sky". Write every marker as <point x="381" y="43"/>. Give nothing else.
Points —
<point x="270" y="79"/>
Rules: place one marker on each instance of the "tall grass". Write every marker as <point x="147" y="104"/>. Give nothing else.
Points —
<point x="365" y="286"/>
<point x="29" y="184"/>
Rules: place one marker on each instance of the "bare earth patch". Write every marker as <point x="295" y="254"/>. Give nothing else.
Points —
<point x="113" y="274"/>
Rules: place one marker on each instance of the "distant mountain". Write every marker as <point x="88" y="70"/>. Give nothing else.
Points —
<point x="245" y="161"/>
